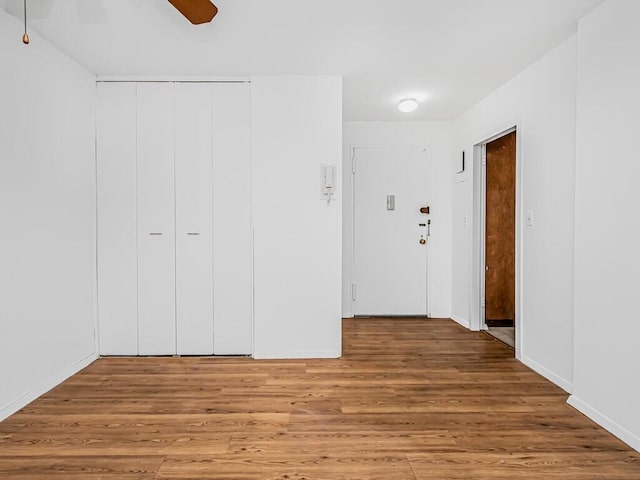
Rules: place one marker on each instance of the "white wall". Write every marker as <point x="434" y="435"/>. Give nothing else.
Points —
<point x="541" y="101"/>
<point x="47" y="213"/>
<point x="436" y="138"/>
<point x="607" y="258"/>
<point x="297" y="126"/>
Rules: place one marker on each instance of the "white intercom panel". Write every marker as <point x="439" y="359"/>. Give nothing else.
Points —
<point x="327" y="182"/>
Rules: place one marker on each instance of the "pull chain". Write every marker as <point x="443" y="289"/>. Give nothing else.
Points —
<point x="25" y="37"/>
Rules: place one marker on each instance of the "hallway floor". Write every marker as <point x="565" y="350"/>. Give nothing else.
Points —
<point x="504" y="334"/>
<point x="410" y="400"/>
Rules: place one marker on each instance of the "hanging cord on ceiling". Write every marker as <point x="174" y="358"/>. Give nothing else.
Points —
<point x="25" y="37"/>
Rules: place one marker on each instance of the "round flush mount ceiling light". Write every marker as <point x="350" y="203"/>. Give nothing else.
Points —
<point x="408" y="105"/>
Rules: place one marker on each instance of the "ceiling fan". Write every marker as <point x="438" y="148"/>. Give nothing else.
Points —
<point x="196" y="11"/>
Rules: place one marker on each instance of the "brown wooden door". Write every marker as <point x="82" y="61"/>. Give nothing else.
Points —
<point x="500" y="231"/>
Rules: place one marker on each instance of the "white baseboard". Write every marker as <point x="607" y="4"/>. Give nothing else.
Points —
<point x="548" y="374"/>
<point x="439" y="315"/>
<point x="45" y="386"/>
<point x="296" y="355"/>
<point x="461" y="321"/>
<point x="601" y="419"/>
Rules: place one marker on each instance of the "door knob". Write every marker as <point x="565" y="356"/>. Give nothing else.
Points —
<point x="422" y="241"/>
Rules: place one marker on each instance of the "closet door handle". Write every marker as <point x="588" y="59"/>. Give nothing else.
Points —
<point x="155" y="233"/>
<point x="195" y="234"/>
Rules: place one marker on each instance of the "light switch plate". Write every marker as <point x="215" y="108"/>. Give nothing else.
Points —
<point x="529" y="219"/>
<point x="391" y="202"/>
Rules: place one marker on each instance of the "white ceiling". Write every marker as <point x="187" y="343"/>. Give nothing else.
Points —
<point x="448" y="53"/>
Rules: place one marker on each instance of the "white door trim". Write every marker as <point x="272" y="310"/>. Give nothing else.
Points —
<point x="479" y="210"/>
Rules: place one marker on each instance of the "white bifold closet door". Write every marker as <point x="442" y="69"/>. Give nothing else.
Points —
<point x="156" y="220"/>
<point x="175" y="272"/>
<point x="194" y="219"/>
<point x="117" y="220"/>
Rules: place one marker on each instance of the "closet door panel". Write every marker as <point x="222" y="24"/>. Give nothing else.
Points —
<point x="194" y="219"/>
<point x="233" y="270"/>
<point x="156" y="218"/>
<point x="116" y="214"/>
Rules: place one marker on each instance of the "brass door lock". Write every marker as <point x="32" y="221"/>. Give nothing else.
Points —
<point x="422" y="241"/>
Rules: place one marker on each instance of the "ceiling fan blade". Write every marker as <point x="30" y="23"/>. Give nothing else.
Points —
<point x="196" y="11"/>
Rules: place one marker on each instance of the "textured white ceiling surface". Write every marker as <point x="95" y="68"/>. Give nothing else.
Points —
<point x="447" y="53"/>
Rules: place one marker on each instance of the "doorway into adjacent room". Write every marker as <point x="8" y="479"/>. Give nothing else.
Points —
<point x="391" y="231"/>
<point x="500" y="238"/>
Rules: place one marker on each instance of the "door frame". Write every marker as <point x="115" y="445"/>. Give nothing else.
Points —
<point x="352" y="199"/>
<point x="479" y="226"/>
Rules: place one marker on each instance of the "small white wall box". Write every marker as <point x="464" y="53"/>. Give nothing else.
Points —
<point x="327" y="182"/>
<point x="391" y="202"/>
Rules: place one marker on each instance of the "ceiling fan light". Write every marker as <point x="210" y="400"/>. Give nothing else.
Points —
<point x="408" y="105"/>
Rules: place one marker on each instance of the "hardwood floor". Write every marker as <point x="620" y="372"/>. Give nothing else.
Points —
<point x="410" y="400"/>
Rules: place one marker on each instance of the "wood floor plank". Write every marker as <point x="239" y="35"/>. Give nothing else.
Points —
<point x="411" y="399"/>
<point x="524" y="440"/>
<point x="114" y="443"/>
<point x="136" y="423"/>
<point x="80" y="468"/>
<point x="187" y="405"/>
<point x="286" y="466"/>
<point x="410" y="422"/>
<point x="490" y="466"/>
<point x="438" y="405"/>
<point x="352" y="444"/>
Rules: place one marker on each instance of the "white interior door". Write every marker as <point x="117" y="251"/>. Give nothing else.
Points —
<point x="156" y="220"/>
<point x="117" y="223"/>
<point x="391" y="184"/>
<point x="194" y="219"/>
